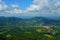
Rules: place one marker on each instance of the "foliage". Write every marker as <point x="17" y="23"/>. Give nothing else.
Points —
<point x="12" y="28"/>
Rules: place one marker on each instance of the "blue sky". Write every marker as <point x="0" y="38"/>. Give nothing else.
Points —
<point x="22" y="3"/>
<point x="46" y="8"/>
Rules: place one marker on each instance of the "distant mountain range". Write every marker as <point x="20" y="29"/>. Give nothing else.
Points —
<point x="32" y="22"/>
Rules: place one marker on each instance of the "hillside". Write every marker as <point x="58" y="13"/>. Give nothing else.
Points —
<point x="37" y="28"/>
<point x="36" y="21"/>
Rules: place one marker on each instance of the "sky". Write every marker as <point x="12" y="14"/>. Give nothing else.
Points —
<point x="23" y="4"/>
<point x="30" y="8"/>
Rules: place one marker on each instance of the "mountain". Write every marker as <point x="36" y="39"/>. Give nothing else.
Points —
<point x="34" y="22"/>
<point x="39" y="28"/>
<point x="47" y="21"/>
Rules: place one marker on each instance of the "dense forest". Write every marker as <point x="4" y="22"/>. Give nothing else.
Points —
<point x="37" y="28"/>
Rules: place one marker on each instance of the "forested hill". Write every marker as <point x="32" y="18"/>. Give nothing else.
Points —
<point x="37" y="28"/>
<point x="36" y="21"/>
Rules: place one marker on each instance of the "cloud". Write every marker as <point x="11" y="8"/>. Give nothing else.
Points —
<point x="57" y="3"/>
<point x="15" y="5"/>
<point x="3" y="6"/>
<point x="37" y="7"/>
<point x="17" y="11"/>
<point x="14" y="11"/>
<point x="50" y="4"/>
<point x="33" y="8"/>
<point x="41" y="3"/>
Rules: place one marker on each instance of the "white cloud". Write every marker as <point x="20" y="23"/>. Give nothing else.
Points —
<point x="3" y="6"/>
<point x="14" y="11"/>
<point x="57" y="3"/>
<point x="38" y="6"/>
<point x="17" y="11"/>
<point x="41" y="3"/>
<point x="15" y="5"/>
<point x="15" y="8"/>
<point x="50" y="4"/>
<point x="33" y="8"/>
